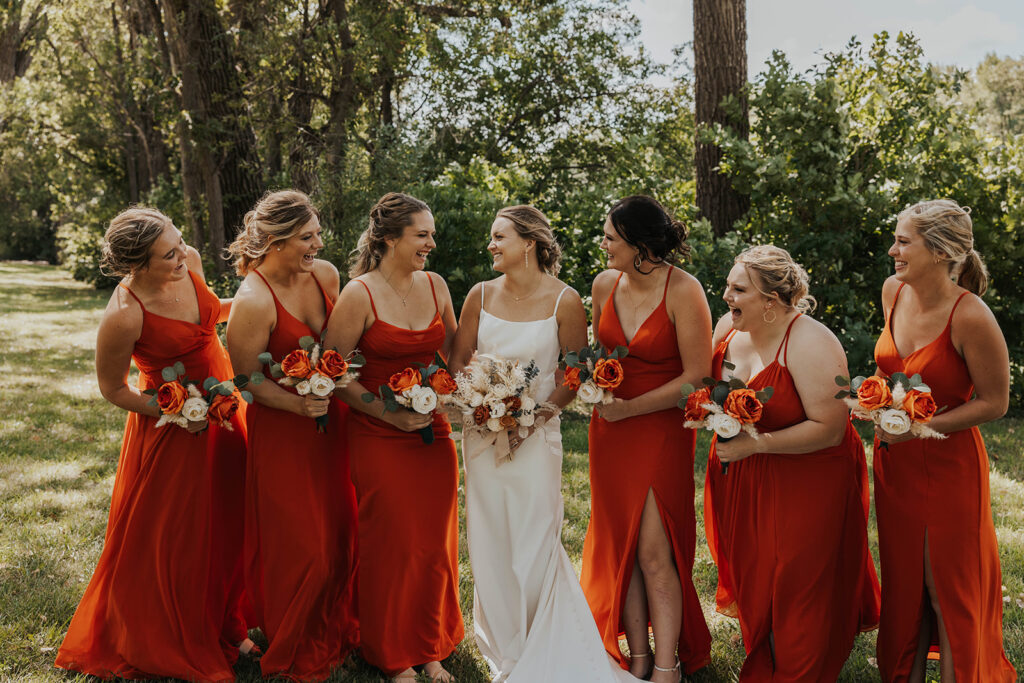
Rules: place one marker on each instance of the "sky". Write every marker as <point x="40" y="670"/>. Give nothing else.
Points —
<point x="951" y="32"/>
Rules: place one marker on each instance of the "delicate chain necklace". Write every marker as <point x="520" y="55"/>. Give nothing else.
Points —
<point x="643" y="299"/>
<point x="397" y="293"/>
<point x="517" y="299"/>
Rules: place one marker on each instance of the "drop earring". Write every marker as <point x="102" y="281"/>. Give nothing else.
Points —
<point x="764" y="316"/>
<point x="526" y="259"/>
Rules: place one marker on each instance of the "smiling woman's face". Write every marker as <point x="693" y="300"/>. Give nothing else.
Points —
<point x="746" y="304"/>
<point x="167" y="256"/>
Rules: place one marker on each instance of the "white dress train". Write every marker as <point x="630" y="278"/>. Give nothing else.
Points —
<point x="531" y="620"/>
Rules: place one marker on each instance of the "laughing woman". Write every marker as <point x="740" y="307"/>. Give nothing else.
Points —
<point x="300" y="505"/>
<point x="788" y="523"/>
<point x="398" y="315"/>
<point x="940" y="562"/>
<point x="165" y="599"/>
<point x="639" y="549"/>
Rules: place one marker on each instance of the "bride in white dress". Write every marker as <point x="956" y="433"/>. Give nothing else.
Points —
<point x="531" y="620"/>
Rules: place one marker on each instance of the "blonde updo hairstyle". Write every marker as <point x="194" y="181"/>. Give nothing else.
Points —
<point x="949" y="234"/>
<point x="129" y="238"/>
<point x="531" y="224"/>
<point x="276" y="217"/>
<point x="388" y="220"/>
<point x="778" y="276"/>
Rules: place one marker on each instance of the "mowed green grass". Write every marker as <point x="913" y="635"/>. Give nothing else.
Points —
<point x="59" y="442"/>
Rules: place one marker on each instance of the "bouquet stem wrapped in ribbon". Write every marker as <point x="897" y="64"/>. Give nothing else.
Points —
<point x="421" y="388"/>
<point x="495" y="395"/>
<point x="593" y="373"/>
<point x="181" y="401"/>
<point x="312" y="369"/>
<point x="724" y="407"/>
<point x="898" y="404"/>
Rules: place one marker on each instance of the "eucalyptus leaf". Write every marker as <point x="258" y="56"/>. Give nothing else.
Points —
<point x="247" y="396"/>
<point x="728" y="365"/>
<point x="306" y="342"/>
<point x="719" y="393"/>
<point x="681" y="404"/>
<point x="179" y="368"/>
<point x="209" y="383"/>
<point x="709" y="382"/>
<point x="358" y="360"/>
<point x="842" y="394"/>
<point x="621" y="351"/>
<point x="276" y="372"/>
<point x="368" y="397"/>
<point x="168" y="374"/>
<point x="842" y="381"/>
<point x="257" y="378"/>
<point x="768" y="392"/>
<point x="687" y="389"/>
<point x="737" y="383"/>
<point x="151" y="401"/>
<point x="265" y="358"/>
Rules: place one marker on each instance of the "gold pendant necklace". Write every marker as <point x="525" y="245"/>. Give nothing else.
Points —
<point x="397" y="293"/>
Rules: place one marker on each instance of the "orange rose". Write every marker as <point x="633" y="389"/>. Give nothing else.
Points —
<point x="404" y="380"/>
<point x="296" y="364"/>
<point x="171" y="397"/>
<point x="572" y="379"/>
<point x="442" y="383"/>
<point x="481" y="415"/>
<point x="222" y="409"/>
<point x="694" y="411"/>
<point x="507" y="421"/>
<point x="608" y="373"/>
<point x="920" y="405"/>
<point x="332" y="364"/>
<point x="874" y="393"/>
<point x="743" y="405"/>
<point x="512" y="403"/>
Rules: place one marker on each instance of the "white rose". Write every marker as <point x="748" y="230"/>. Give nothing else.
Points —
<point x="590" y="392"/>
<point x="302" y="387"/>
<point x="320" y="385"/>
<point x="194" y="409"/>
<point x="422" y="399"/>
<point x="894" y="421"/>
<point x="494" y="424"/>
<point x="501" y="391"/>
<point x="476" y="400"/>
<point x="726" y="426"/>
<point x="528" y="404"/>
<point x="526" y="419"/>
<point x="496" y="408"/>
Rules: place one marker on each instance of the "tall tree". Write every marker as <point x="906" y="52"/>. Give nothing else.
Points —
<point x="720" y="71"/>
<point x="20" y="27"/>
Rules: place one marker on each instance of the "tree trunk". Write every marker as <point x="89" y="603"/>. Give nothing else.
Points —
<point x="720" y="67"/>
<point x="221" y="134"/>
<point x="17" y="39"/>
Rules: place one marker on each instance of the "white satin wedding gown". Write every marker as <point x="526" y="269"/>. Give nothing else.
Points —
<point x="531" y="620"/>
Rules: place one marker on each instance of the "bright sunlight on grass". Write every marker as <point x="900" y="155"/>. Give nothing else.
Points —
<point x="59" y="442"/>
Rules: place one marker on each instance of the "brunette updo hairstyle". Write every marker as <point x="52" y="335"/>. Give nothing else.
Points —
<point x="388" y="219"/>
<point x="779" y="275"/>
<point x="276" y="217"/>
<point x="128" y="239"/>
<point x="645" y="225"/>
<point x="949" y="234"/>
<point x="532" y="224"/>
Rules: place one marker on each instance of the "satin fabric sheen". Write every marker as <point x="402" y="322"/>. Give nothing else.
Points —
<point x="408" y="515"/>
<point x="300" y="527"/>
<point x="628" y="459"/>
<point x="166" y="598"/>
<point x="789" y="536"/>
<point x="938" y="488"/>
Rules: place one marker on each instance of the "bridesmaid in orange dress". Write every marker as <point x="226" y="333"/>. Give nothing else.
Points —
<point x="940" y="563"/>
<point x="398" y="315"/>
<point x="788" y="523"/>
<point x="639" y="549"/>
<point x="166" y="597"/>
<point x="300" y="504"/>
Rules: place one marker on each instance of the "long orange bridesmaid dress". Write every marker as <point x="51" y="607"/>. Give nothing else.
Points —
<point x="789" y="535"/>
<point x="165" y="599"/>
<point x="629" y="458"/>
<point x="300" y="528"/>
<point x="938" y="489"/>
<point x="408" y="514"/>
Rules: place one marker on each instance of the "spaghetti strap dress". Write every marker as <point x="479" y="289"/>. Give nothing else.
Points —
<point x="300" y="527"/>
<point x="628" y="459"/>
<point x="408" y="513"/>
<point x="166" y="597"/>
<point x="789" y="536"/>
<point x="938" y="488"/>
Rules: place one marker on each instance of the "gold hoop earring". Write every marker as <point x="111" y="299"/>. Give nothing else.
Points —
<point x="764" y="316"/>
<point x="637" y="261"/>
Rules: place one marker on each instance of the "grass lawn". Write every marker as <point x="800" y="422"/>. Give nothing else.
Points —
<point x="59" y="442"/>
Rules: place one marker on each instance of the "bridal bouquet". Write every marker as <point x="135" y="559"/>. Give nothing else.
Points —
<point x="724" y="407"/>
<point x="422" y="388"/>
<point x="593" y="373"/>
<point x="312" y="369"/>
<point x="181" y="401"/>
<point x="495" y="395"/>
<point x="898" y="404"/>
